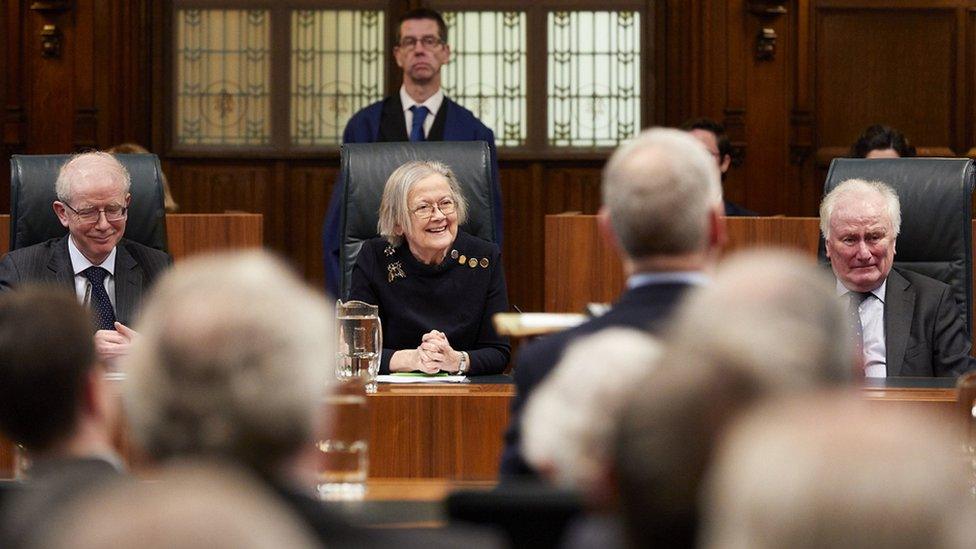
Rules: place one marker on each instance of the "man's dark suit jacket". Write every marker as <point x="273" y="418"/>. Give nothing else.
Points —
<point x="53" y="485"/>
<point x="136" y="267"/>
<point x="383" y="122"/>
<point x="924" y="334"/>
<point x="644" y="308"/>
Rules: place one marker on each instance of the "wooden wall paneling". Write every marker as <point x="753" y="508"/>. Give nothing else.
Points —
<point x="85" y="70"/>
<point x="305" y="205"/>
<point x="681" y="68"/>
<point x="13" y="135"/>
<point x="862" y="79"/>
<point x="766" y="117"/>
<point x="50" y="94"/>
<point x="801" y="115"/>
<point x="969" y="114"/>
<point x="523" y="196"/>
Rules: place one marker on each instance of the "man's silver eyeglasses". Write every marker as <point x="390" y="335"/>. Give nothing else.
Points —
<point x="430" y="42"/>
<point x="113" y="212"/>
<point x="426" y="211"/>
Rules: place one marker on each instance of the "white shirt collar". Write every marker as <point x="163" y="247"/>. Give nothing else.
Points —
<point x="433" y="102"/>
<point x="79" y="262"/>
<point x="878" y="292"/>
<point x="692" y="278"/>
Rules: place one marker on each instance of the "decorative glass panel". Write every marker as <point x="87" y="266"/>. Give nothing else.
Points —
<point x="487" y="70"/>
<point x="223" y="77"/>
<point x="336" y="69"/>
<point x="594" y="77"/>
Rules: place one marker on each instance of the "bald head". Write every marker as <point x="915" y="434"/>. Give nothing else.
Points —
<point x="658" y="191"/>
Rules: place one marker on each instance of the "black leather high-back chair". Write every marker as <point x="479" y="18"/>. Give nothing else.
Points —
<point x="936" y="237"/>
<point x="365" y="167"/>
<point x="32" y="218"/>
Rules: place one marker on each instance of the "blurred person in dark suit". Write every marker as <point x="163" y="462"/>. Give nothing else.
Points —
<point x="662" y="209"/>
<point x="187" y="506"/>
<point x="55" y="402"/>
<point x="765" y="326"/>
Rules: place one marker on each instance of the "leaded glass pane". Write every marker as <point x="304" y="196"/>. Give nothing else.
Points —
<point x="487" y="70"/>
<point x="223" y="74"/>
<point x="336" y="69"/>
<point x="594" y="77"/>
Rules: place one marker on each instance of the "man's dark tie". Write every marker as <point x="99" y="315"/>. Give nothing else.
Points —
<point x="417" y="128"/>
<point x="101" y="306"/>
<point x="854" y="317"/>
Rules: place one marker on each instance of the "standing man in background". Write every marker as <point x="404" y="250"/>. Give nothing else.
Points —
<point x="420" y="112"/>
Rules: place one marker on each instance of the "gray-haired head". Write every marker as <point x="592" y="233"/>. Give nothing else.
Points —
<point x="773" y="313"/>
<point x="87" y="166"/>
<point x="232" y="361"/>
<point x="569" y="421"/>
<point x="829" y="470"/>
<point x="395" y="218"/>
<point x="659" y="189"/>
<point x="860" y="189"/>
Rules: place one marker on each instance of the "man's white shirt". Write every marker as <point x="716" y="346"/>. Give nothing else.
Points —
<point x="78" y="265"/>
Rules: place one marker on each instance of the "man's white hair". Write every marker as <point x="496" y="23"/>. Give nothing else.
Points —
<point x="90" y="165"/>
<point x="860" y="189"/>
<point x="658" y="189"/>
<point x="570" y="419"/>
<point x="232" y="361"/>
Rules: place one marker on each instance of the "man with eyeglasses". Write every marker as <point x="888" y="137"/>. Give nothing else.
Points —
<point x="106" y="271"/>
<point x="420" y="112"/>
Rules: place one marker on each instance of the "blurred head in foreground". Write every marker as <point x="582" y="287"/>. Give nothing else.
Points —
<point x="662" y="202"/>
<point x="188" y="507"/>
<point x="232" y="362"/>
<point x="568" y="423"/>
<point x="54" y="399"/>
<point x="766" y="325"/>
<point x="832" y="471"/>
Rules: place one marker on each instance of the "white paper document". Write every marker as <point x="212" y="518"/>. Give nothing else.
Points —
<point x="421" y="378"/>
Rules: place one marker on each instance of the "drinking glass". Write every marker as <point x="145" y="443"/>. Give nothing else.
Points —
<point x="359" y="342"/>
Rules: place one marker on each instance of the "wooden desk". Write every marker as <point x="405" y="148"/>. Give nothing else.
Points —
<point x="438" y="431"/>
<point x="454" y="432"/>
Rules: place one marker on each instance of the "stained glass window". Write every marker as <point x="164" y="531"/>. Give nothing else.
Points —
<point x="337" y="67"/>
<point x="487" y="70"/>
<point x="594" y="77"/>
<point x="223" y="74"/>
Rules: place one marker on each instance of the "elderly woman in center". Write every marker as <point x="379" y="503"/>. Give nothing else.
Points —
<point x="436" y="286"/>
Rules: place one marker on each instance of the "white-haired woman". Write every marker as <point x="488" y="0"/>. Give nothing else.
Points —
<point x="437" y="287"/>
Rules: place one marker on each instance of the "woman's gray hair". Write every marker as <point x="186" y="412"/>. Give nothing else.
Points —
<point x="394" y="207"/>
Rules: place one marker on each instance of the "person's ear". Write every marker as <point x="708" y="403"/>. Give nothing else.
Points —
<point x="718" y="235"/>
<point x="725" y="164"/>
<point x="61" y="211"/>
<point x="607" y="232"/>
